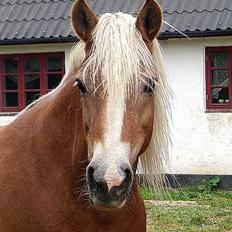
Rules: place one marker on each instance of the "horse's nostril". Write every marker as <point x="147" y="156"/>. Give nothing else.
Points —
<point x="120" y="191"/>
<point x="128" y="175"/>
<point x="108" y="185"/>
<point x="90" y="170"/>
<point x="90" y="177"/>
<point x="94" y="180"/>
<point x="124" y="187"/>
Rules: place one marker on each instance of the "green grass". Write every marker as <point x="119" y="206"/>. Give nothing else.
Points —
<point x="211" y="211"/>
<point x="188" y="219"/>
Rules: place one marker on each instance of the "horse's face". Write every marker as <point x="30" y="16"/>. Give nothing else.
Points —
<point x="118" y="129"/>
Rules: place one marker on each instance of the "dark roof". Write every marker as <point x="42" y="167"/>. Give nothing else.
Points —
<point x="23" y="21"/>
<point x="197" y="17"/>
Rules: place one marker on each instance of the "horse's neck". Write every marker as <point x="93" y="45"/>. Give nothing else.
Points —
<point x="54" y="124"/>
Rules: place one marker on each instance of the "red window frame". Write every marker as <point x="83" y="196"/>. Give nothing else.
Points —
<point x="209" y="104"/>
<point x="21" y="75"/>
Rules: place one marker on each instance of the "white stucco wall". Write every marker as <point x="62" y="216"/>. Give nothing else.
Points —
<point x="202" y="141"/>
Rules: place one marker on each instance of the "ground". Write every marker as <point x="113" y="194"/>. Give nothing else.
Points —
<point x="191" y="209"/>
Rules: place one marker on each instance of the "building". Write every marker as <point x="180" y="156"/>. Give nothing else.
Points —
<point x="36" y="39"/>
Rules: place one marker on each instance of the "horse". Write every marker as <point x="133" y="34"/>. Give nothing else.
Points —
<point x="68" y="161"/>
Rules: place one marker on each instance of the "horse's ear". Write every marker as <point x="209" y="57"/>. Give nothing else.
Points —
<point x="83" y="20"/>
<point x="149" y="20"/>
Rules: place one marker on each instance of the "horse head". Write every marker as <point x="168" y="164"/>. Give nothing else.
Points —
<point x="117" y="80"/>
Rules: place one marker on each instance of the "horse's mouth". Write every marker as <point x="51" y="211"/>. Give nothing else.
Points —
<point x="109" y="206"/>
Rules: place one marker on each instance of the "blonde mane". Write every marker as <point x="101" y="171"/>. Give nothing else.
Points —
<point x="118" y="48"/>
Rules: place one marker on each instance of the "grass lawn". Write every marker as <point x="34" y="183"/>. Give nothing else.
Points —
<point x="208" y="210"/>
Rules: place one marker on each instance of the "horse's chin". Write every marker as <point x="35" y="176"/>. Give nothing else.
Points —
<point x="109" y="207"/>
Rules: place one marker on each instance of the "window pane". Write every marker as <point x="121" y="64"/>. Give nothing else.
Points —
<point x="10" y="83"/>
<point x="10" y="65"/>
<point x="220" y="77"/>
<point x="54" y="64"/>
<point x="220" y="95"/>
<point x="54" y="80"/>
<point x="32" y="64"/>
<point x="31" y="96"/>
<point x="219" y="59"/>
<point x="32" y="82"/>
<point x="10" y="99"/>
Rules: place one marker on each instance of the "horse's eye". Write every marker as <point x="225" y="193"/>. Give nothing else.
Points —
<point x="82" y="87"/>
<point x="149" y="87"/>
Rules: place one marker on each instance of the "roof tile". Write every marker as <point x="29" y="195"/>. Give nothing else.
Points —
<point x="26" y="19"/>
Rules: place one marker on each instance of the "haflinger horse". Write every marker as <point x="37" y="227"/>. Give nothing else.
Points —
<point x="68" y="161"/>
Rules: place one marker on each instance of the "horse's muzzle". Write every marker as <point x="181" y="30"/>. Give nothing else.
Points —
<point x="105" y="196"/>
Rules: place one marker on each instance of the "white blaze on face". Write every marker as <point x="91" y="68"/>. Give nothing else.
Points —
<point x="113" y="149"/>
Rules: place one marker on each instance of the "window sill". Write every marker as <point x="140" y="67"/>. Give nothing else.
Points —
<point x="5" y="114"/>
<point x="218" y="111"/>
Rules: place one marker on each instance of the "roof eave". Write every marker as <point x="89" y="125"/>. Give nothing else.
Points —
<point x="163" y="35"/>
<point x="207" y="33"/>
<point x="39" y="40"/>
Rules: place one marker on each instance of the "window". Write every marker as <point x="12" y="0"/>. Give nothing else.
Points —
<point x="219" y="78"/>
<point x="23" y="78"/>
